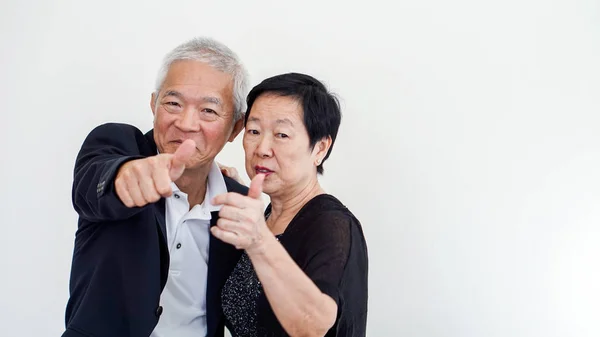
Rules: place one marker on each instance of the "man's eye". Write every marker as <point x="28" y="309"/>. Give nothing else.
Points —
<point x="210" y="111"/>
<point x="172" y="103"/>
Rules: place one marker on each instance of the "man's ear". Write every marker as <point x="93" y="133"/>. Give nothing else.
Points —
<point x="237" y="127"/>
<point x="153" y="103"/>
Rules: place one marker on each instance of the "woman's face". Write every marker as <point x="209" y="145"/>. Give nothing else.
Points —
<point x="277" y="144"/>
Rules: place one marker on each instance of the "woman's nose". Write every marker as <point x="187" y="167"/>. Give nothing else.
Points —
<point x="264" y="147"/>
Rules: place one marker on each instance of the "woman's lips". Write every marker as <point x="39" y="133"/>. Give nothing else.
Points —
<point x="262" y="170"/>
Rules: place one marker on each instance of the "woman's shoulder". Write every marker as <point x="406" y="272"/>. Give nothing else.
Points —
<point x="324" y="203"/>
<point x="327" y="213"/>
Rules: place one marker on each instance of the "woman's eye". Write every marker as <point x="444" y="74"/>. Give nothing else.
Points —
<point x="253" y="132"/>
<point x="282" y="135"/>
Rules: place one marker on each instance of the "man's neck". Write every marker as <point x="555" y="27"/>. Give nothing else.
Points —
<point x="194" y="183"/>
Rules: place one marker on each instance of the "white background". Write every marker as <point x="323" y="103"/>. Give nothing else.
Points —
<point x="469" y="148"/>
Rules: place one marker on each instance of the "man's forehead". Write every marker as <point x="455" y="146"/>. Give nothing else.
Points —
<point x="198" y="81"/>
<point x="192" y="69"/>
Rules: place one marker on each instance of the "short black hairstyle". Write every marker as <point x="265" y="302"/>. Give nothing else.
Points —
<point x="321" y="108"/>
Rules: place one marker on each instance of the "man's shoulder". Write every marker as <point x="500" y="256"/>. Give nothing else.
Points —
<point x="233" y="186"/>
<point x="119" y="135"/>
<point x="115" y="130"/>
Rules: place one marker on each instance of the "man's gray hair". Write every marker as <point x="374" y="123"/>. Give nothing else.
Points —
<point x="216" y="55"/>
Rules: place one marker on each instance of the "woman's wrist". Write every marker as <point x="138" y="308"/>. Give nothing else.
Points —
<point x="263" y="246"/>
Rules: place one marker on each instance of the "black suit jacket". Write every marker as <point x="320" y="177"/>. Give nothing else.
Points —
<point x="120" y="259"/>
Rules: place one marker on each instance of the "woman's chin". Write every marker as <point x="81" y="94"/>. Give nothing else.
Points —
<point x="269" y="188"/>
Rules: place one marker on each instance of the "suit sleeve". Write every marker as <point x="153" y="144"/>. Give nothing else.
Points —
<point x="103" y="152"/>
<point x="234" y="186"/>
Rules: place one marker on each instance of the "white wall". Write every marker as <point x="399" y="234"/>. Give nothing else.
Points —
<point x="469" y="147"/>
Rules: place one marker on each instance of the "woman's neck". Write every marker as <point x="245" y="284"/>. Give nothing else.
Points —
<point x="284" y="208"/>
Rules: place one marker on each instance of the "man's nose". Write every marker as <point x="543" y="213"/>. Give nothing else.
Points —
<point x="188" y="120"/>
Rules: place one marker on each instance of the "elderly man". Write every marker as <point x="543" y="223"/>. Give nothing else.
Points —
<point x="144" y="262"/>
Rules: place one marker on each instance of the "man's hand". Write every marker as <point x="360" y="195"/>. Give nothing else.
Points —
<point x="143" y="181"/>
<point x="231" y="172"/>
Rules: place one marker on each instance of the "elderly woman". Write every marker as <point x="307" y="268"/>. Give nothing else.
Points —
<point x="303" y="270"/>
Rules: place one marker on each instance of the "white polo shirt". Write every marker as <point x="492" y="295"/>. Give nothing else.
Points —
<point x="188" y="232"/>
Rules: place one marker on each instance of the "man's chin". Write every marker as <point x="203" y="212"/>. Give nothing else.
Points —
<point x="196" y="164"/>
<point x="168" y="148"/>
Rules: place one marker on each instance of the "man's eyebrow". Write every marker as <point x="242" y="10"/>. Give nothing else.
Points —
<point x="206" y="99"/>
<point x="212" y="99"/>
<point x="173" y="93"/>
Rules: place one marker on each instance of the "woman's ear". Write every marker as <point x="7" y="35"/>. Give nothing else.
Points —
<point x="322" y="147"/>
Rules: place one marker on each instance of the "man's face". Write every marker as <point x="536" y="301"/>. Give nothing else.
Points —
<point x="195" y="102"/>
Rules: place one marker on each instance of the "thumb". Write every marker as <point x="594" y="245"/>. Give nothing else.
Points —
<point x="256" y="186"/>
<point x="183" y="153"/>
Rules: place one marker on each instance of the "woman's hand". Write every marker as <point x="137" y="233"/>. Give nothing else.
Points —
<point x="241" y="220"/>
<point x="297" y="302"/>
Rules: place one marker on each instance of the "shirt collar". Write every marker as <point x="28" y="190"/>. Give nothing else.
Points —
<point x="215" y="185"/>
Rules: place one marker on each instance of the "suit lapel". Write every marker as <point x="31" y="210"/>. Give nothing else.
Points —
<point x="213" y="311"/>
<point x="160" y="214"/>
<point x="222" y="258"/>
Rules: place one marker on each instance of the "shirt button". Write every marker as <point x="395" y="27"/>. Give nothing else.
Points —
<point x="176" y="196"/>
<point x="178" y="245"/>
<point x="158" y="311"/>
